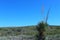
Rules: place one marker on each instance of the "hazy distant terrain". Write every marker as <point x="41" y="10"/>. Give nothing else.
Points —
<point x="52" y="31"/>
<point x="13" y="31"/>
<point x="27" y="30"/>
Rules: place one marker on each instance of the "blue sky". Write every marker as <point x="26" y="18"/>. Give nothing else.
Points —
<point x="28" y="12"/>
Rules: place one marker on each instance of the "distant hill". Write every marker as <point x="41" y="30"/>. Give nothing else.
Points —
<point x="27" y="30"/>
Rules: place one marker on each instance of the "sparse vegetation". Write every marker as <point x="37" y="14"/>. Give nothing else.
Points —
<point x="31" y="30"/>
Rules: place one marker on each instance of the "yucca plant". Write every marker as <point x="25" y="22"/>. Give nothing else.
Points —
<point x="41" y="30"/>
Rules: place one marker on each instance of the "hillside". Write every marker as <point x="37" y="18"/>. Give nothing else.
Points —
<point x="27" y="30"/>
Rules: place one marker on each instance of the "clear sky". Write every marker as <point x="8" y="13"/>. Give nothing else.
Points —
<point x="28" y="12"/>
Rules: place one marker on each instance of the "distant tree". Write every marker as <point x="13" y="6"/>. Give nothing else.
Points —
<point x="41" y="30"/>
